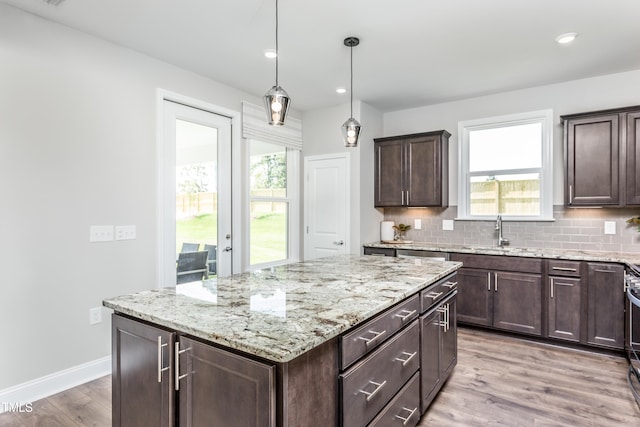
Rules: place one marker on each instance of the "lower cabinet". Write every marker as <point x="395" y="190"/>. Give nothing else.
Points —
<point x="605" y="305"/>
<point x="439" y="344"/>
<point x="565" y="296"/>
<point x="154" y="368"/>
<point x="505" y="299"/>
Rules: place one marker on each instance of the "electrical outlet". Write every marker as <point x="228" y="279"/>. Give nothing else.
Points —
<point x="447" y="224"/>
<point x="100" y="233"/>
<point x="125" y="232"/>
<point x="417" y="224"/>
<point x="95" y="315"/>
<point x="609" y="227"/>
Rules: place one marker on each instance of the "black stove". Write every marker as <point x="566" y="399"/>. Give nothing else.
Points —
<point x="632" y="341"/>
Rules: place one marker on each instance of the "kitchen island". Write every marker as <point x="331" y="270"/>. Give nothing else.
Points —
<point x="283" y="346"/>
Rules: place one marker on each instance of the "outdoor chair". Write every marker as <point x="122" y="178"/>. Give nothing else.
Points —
<point x="211" y="261"/>
<point x="190" y="247"/>
<point x="192" y="267"/>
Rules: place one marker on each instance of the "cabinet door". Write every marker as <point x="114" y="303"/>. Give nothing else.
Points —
<point x="517" y="304"/>
<point x="565" y="308"/>
<point x="389" y="173"/>
<point x="592" y="145"/>
<point x="142" y="389"/>
<point x="605" y="312"/>
<point x="425" y="165"/>
<point x="633" y="158"/>
<point x="430" y="356"/>
<point x="449" y="355"/>
<point x="475" y="298"/>
<point x="224" y="389"/>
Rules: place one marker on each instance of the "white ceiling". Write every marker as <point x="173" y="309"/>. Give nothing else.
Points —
<point x="412" y="52"/>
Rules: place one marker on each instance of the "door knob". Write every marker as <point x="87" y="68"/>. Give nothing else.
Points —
<point x="228" y="249"/>
<point x="339" y="243"/>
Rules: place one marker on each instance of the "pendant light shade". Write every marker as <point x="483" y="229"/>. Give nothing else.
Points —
<point x="351" y="128"/>
<point x="276" y="100"/>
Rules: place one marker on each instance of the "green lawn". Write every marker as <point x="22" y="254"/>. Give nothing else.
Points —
<point x="268" y="235"/>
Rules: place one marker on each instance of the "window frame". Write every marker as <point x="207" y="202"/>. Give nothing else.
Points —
<point x="545" y="118"/>
<point x="292" y="199"/>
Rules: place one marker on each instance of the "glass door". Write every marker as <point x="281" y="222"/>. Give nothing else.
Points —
<point x="196" y="189"/>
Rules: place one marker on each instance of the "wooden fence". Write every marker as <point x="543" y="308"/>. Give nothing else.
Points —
<point x="516" y="197"/>
<point x="193" y="204"/>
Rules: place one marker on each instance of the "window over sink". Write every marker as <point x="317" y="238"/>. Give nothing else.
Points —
<point x="506" y="167"/>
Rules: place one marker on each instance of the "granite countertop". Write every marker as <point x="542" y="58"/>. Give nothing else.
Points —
<point x="568" y="254"/>
<point x="283" y="312"/>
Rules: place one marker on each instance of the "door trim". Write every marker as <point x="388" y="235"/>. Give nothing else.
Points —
<point x="347" y="159"/>
<point x="236" y="174"/>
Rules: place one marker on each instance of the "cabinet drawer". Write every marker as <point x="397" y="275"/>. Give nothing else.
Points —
<point x="499" y="262"/>
<point x="369" y="385"/>
<point x="380" y="251"/>
<point x="437" y="291"/>
<point x="404" y="409"/>
<point x="357" y="343"/>
<point x="563" y="268"/>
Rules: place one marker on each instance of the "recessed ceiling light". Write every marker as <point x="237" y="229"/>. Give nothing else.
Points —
<point x="566" y="38"/>
<point x="270" y="53"/>
<point x="341" y="90"/>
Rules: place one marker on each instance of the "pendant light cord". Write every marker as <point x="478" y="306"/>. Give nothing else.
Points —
<point x="277" y="53"/>
<point x="351" y="50"/>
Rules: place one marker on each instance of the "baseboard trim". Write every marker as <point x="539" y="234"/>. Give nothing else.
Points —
<point x="54" y="383"/>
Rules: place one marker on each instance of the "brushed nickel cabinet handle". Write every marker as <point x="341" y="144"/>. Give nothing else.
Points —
<point x="402" y="195"/>
<point x="405" y="361"/>
<point x="373" y="393"/>
<point x="570" y="194"/>
<point x="551" y="286"/>
<point x="495" y="281"/>
<point x="160" y="368"/>
<point x="377" y="335"/>
<point x="573" y="270"/>
<point x="450" y="285"/>
<point x="405" y="316"/>
<point x="178" y="352"/>
<point x="433" y="295"/>
<point x="489" y="282"/>
<point x="406" y="420"/>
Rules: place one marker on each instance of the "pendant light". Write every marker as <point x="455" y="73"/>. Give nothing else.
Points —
<point x="351" y="128"/>
<point x="276" y="100"/>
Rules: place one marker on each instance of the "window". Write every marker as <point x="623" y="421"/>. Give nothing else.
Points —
<point x="506" y="167"/>
<point x="273" y="207"/>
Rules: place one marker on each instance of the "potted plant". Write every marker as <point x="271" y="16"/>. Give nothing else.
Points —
<point x="400" y="231"/>
<point x="634" y="221"/>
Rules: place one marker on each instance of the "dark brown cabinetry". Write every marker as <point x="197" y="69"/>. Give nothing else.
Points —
<point x="605" y="307"/>
<point x="438" y="331"/>
<point x="500" y="292"/>
<point x="565" y="300"/>
<point x="380" y="251"/>
<point x="412" y="170"/>
<point x="601" y="150"/>
<point x="153" y="368"/>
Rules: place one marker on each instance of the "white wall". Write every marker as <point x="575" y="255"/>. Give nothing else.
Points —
<point x="611" y="91"/>
<point x="77" y="147"/>
<point x="321" y="135"/>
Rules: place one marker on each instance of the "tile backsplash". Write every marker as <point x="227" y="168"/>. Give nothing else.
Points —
<point x="579" y="229"/>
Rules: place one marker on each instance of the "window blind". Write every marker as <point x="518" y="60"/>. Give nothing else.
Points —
<point x="255" y="126"/>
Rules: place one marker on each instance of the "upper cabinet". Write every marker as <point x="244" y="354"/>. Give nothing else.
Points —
<point x="601" y="150"/>
<point x="412" y="170"/>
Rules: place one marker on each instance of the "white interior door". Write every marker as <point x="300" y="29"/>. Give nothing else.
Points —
<point x="326" y="194"/>
<point x="195" y="187"/>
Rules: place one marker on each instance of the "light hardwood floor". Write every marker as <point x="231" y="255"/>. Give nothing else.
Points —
<point x="499" y="380"/>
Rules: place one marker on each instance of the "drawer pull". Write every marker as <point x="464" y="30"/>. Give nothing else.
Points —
<point x="377" y="335"/>
<point x="573" y="270"/>
<point x="406" y="316"/>
<point x="405" y="361"/>
<point x="406" y="420"/>
<point x="450" y="285"/>
<point x="373" y="393"/>
<point x="434" y="295"/>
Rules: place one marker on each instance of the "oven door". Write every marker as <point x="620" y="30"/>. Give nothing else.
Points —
<point x="633" y="342"/>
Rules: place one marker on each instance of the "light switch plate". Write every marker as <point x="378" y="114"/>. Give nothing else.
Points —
<point x="447" y="224"/>
<point x="101" y="233"/>
<point x="609" y="227"/>
<point x="417" y="224"/>
<point x="125" y="232"/>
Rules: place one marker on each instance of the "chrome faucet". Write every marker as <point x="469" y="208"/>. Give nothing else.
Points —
<point x="501" y="240"/>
